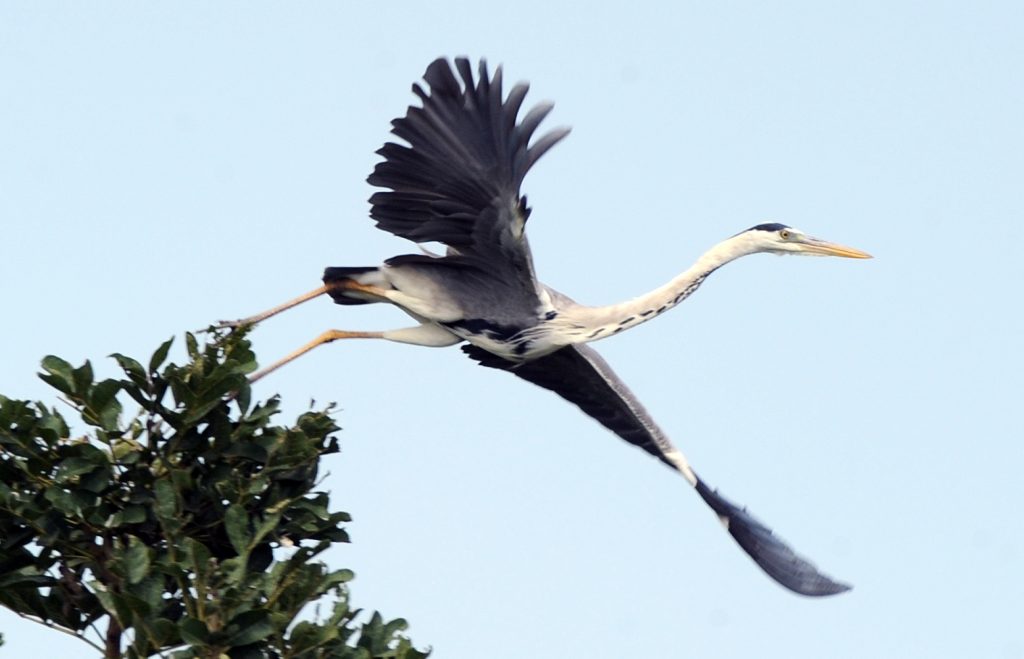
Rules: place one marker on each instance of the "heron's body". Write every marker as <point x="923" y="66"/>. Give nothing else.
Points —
<point x="457" y="181"/>
<point x="544" y="320"/>
<point x="448" y="321"/>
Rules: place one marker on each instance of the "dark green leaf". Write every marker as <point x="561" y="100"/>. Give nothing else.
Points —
<point x="244" y="397"/>
<point x="193" y="632"/>
<point x="135" y="558"/>
<point x="307" y="635"/>
<point x="58" y="374"/>
<point x="61" y="500"/>
<point x="236" y="523"/>
<point x="134" y="514"/>
<point x="342" y="576"/>
<point x="166" y="499"/>
<point x="74" y="466"/>
<point x="157" y="360"/>
<point x="393" y="627"/>
<point x="132" y="369"/>
<point x="52" y="425"/>
<point x="150" y="590"/>
<point x="114" y="603"/>
<point x="103" y="403"/>
<point x="139" y="396"/>
<point x="198" y="554"/>
<point x="249" y="627"/>
<point x="269" y="523"/>
<point x="83" y="378"/>
<point x="25" y="579"/>
<point x="159" y="632"/>
<point x="249" y="450"/>
<point x="106" y="600"/>
<point x="96" y="481"/>
<point x="201" y="409"/>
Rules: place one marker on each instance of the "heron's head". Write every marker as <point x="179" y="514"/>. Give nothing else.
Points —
<point x="781" y="239"/>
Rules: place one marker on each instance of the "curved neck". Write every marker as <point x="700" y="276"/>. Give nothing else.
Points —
<point x="593" y="323"/>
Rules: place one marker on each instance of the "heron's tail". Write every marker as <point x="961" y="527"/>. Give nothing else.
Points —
<point x="370" y="276"/>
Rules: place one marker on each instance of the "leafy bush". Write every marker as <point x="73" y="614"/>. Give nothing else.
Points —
<point x="189" y="528"/>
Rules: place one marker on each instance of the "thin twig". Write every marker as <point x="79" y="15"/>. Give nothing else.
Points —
<point x="69" y="632"/>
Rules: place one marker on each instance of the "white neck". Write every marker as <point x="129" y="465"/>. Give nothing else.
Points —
<point x="592" y="323"/>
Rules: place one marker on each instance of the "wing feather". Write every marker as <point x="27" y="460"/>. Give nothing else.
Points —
<point x="579" y="375"/>
<point x="456" y="181"/>
<point x="465" y="156"/>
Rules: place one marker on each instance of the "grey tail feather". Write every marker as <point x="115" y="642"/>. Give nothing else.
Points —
<point x="333" y="274"/>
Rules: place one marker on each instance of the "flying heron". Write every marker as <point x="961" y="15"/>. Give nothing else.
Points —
<point x="457" y="181"/>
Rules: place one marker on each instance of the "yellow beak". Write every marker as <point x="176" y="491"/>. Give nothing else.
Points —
<point x="825" y="248"/>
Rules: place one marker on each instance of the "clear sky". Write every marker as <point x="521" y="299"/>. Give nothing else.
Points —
<point x="165" y="165"/>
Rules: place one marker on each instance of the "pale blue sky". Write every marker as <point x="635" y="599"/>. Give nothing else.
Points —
<point x="166" y="165"/>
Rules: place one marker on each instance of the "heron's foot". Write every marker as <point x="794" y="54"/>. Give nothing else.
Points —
<point x="249" y="321"/>
<point x="232" y="325"/>
<point x="236" y="324"/>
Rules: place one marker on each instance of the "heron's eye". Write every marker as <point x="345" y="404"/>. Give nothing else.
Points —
<point x="785" y="234"/>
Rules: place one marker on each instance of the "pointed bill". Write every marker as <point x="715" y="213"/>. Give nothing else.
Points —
<point x="825" y="248"/>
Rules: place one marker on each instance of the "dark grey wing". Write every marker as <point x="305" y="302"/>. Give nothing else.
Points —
<point x="457" y="180"/>
<point x="768" y="550"/>
<point x="579" y="375"/>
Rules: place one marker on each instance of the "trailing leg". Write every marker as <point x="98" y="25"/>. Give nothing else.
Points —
<point x="429" y="335"/>
<point x="342" y="288"/>
<point x="327" y="337"/>
<point x="252" y="320"/>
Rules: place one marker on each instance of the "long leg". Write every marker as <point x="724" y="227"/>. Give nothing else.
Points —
<point x="347" y="284"/>
<point x="326" y="337"/>
<point x="421" y="335"/>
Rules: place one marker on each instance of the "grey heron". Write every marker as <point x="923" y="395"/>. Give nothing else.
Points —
<point x="456" y="181"/>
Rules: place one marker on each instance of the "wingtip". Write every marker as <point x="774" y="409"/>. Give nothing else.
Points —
<point x="771" y="553"/>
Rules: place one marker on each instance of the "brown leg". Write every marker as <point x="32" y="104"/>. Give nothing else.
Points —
<point x="326" y="337"/>
<point x="252" y="320"/>
<point x="348" y="285"/>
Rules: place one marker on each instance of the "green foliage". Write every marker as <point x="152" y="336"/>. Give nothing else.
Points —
<point x="189" y="529"/>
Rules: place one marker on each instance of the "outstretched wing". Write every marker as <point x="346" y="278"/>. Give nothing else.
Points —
<point x="579" y="375"/>
<point x="457" y="181"/>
